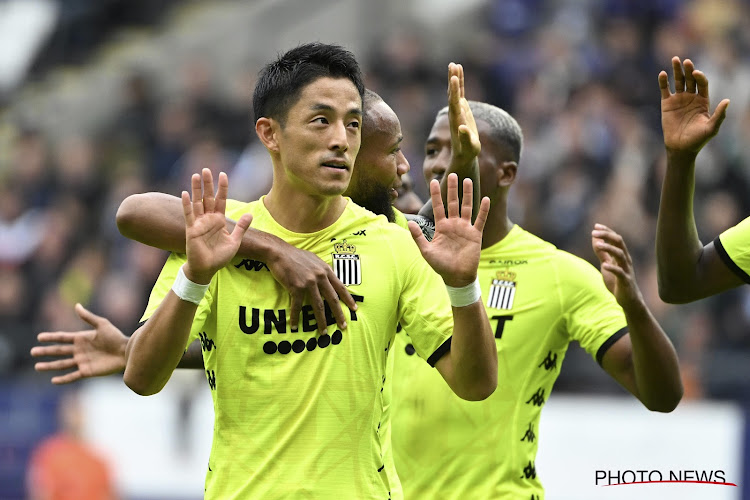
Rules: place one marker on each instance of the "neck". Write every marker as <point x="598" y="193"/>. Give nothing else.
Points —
<point x="498" y="224"/>
<point x="303" y="212"/>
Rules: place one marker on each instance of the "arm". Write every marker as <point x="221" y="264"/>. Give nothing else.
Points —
<point x="470" y="367"/>
<point x="155" y="219"/>
<point x="155" y="349"/>
<point x="465" y="145"/>
<point x="645" y="361"/>
<point x="687" y="270"/>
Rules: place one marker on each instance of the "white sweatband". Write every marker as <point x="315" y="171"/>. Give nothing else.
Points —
<point x="188" y="290"/>
<point x="465" y="295"/>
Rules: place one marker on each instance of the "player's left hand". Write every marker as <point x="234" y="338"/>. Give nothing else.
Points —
<point x="465" y="145"/>
<point x="616" y="266"/>
<point x="454" y="250"/>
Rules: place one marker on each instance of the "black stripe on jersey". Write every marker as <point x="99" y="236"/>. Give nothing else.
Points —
<point x="440" y="352"/>
<point x="609" y="343"/>
<point x="729" y="262"/>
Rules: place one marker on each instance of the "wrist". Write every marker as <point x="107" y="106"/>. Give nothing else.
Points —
<point x="187" y="289"/>
<point x="198" y="277"/>
<point x="681" y="156"/>
<point x="461" y="296"/>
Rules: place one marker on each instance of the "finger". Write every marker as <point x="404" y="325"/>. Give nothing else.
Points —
<point x="60" y="364"/>
<point x="342" y="291"/>
<point x="57" y="336"/>
<point x="616" y="253"/>
<point x="679" y="76"/>
<point x="454" y="101"/>
<point x="484" y="210"/>
<point x="452" y="195"/>
<point x="87" y="316"/>
<point x="450" y="77"/>
<point x="418" y="236"/>
<point x="333" y="303"/>
<point x="468" y="199"/>
<point x="319" y="310"/>
<point x="241" y="228"/>
<point x="208" y="191"/>
<point x="294" y="310"/>
<point x="701" y="83"/>
<point x="195" y="185"/>
<point x="52" y="350"/>
<point x="619" y="272"/>
<point x="689" y="78"/>
<point x="187" y="209"/>
<point x="221" y="195"/>
<point x="718" y="117"/>
<point x="613" y="238"/>
<point x="438" y="209"/>
<point x="462" y="90"/>
<point x="664" y="85"/>
<point x="67" y="378"/>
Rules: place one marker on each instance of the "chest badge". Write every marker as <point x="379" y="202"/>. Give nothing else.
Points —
<point x="346" y="263"/>
<point x="502" y="290"/>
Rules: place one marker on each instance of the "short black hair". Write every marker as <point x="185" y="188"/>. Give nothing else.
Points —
<point x="280" y="82"/>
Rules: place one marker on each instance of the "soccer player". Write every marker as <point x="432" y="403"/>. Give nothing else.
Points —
<point x="539" y="299"/>
<point x="688" y="270"/>
<point x="298" y="414"/>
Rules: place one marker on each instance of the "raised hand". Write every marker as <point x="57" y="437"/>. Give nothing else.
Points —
<point x="616" y="266"/>
<point x="454" y="250"/>
<point x="92" y="353"/>
<point x="685" y="116"/>
<point x="208" y="244"/>
<point x="465" y="145"/>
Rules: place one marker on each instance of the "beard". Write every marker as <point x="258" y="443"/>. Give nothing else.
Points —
<point x="376" y="199"/>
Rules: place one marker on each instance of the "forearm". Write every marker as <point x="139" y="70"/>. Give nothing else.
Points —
<point x="678" y="248"/>
<point x="473" y="353"/>
<point x="156" y="348"/>
<point x="656" y="369"/>
<point x="193" y="357"/>
<point x="156" y="220"/>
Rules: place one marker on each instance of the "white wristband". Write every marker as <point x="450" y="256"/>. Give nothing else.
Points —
<point x="465" y="295"/>
<point x="188" y="290"/>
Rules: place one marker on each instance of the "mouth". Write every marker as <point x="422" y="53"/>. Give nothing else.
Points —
<point x="336" y="164"/>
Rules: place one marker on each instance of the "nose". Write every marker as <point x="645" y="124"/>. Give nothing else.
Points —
<point x="339" y="139"/>
<point x="402" y="165"/>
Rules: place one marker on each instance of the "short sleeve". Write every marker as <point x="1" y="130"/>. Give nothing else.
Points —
<point x="733" y="246"/>
<point x="593" y="316"/>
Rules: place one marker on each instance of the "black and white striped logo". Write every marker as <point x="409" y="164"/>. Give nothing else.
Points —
<point x="347" y="268"/>
<point x="502" y="293"/>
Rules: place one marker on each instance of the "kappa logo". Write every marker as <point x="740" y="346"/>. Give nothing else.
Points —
<point x="346" y="263"/>
<point x="252" y="265"/>
<point x="502" y="290"/>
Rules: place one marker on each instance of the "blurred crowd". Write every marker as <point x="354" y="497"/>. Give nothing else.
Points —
<point x="579" y="76"/>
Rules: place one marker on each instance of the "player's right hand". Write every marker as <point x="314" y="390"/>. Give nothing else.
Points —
<point x="92" y="353"/>
<point x="465" y="145"/>
<point x="208" y="244"/>
<point x="685" y="118"/>
<point x="304" y="274"/>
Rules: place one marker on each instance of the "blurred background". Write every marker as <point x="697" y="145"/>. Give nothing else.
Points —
<point x="100" y="99"/>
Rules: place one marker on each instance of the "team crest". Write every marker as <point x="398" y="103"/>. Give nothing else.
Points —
<point x="346" y="263"/>
<point x="502" y="290"/>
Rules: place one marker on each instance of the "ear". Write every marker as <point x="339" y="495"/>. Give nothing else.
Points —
<point x="506" y="174"/>
<point x="266" y="129"/>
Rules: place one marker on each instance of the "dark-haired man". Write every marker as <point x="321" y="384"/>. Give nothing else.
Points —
<point x="298" y="414"/>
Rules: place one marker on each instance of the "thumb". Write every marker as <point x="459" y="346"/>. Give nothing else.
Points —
<point x="87" y="316"/>
<point x="242" y="226"/>
<point x="418" y="236"/>
<point x="720" y="113"/>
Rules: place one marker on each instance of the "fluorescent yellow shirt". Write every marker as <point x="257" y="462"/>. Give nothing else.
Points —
<point x="298" y="415"/>
<point x="538" y="299"/>
<point x="733" y="246"/>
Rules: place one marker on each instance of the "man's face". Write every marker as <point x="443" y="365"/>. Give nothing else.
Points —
<point x="437" y="154"/>
<point x="321" y="137"/>
<point x="380" y="163"/>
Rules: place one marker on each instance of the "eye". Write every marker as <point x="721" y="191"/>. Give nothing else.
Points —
<point x="430" y="151"/>
<point x="320" y="119"/>
<point x="396" y="151"/>
<point x="354" y="124"/>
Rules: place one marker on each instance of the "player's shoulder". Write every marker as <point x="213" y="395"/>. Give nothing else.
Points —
<point x="361" y="216"/>
<point x="235" y="208"/>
